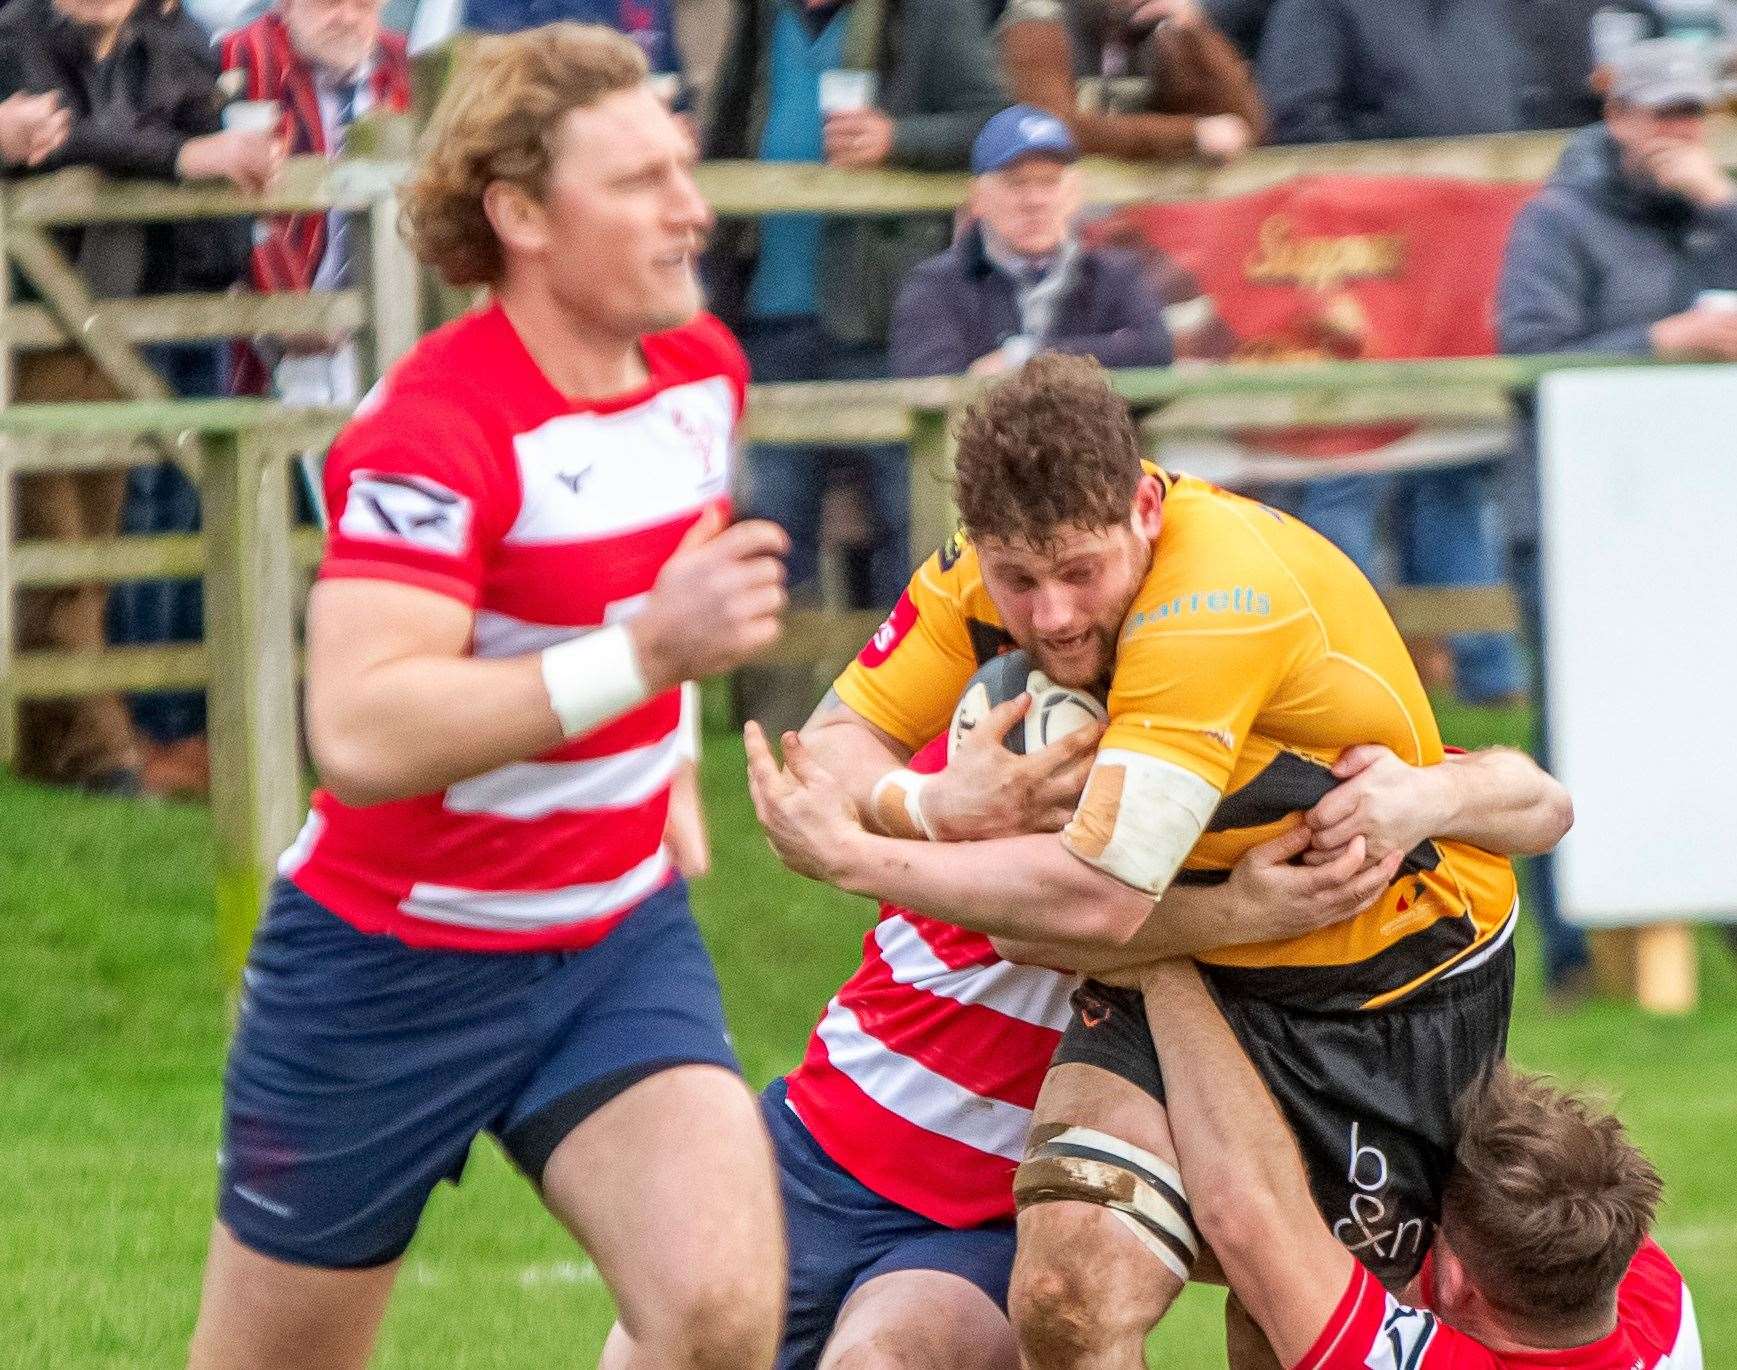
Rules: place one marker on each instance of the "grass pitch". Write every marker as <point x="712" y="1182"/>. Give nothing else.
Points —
<point x="112" y="1027"/>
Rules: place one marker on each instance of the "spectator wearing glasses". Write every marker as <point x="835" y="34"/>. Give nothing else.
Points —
<point x="324" y="63"/>
<point x="1018" y="280"/>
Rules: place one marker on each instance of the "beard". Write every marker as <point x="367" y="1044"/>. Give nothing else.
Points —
<point x="1084" y="668"/>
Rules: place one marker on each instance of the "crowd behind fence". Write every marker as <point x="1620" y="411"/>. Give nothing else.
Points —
<point x="253" y="558"/>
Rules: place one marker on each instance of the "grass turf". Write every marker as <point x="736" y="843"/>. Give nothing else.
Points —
<point x="112" y="1029"/>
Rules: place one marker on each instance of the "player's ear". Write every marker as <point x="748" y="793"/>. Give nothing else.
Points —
<point x="1148" y="511"/>
<point x="519" y="222"/>
<point x="1452" y="1288"/>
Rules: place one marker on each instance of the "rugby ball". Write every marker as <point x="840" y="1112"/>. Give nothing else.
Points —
<point x="1055" y="710"/>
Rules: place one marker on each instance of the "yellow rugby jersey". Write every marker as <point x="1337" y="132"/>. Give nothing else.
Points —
<point x="1254" y="653"/>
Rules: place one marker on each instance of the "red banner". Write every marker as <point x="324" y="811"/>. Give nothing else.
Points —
<point x="1329" y="268"/>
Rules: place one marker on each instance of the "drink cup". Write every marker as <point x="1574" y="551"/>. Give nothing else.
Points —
<point x="251" y="116"/>
<point x="843" y="90"/>
<point x="1725" y="300"/>
<point x="1613" y="33"/>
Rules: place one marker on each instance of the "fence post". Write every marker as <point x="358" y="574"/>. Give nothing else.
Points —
<point x="933" y="517"/>
<point x="7" y="351"/>
<point x="256" y="777"/>
<point x="393" y="289"/>
<point x="8" y="623"/>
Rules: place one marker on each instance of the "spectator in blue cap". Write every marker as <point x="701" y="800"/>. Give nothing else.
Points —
<point x="1018" y="280"/>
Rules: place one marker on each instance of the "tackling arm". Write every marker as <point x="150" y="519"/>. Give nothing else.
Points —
<point x="855" y="751"/>
<point x="1244" y="1175"/>
<point x="1497" y="799"/>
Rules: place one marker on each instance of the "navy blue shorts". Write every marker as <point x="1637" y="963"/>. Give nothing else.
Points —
<point x="362" y="1069"/>
<point x="842" y="1235"/>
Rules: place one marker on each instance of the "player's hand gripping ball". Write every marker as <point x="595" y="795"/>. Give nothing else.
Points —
<point x="1055" y="709"/>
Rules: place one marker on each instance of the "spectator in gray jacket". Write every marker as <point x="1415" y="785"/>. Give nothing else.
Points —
<point x="1018" y="280"/>
<point x="1631" y="247"/>
<point x="854" y="83"/>
<point x="1333" y="70"/>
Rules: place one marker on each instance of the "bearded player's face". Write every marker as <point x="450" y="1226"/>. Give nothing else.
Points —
<point x="1065" y="602"/>
<point x="624" y="219"/>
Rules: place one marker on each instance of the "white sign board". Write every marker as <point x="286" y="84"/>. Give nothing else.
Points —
<point x="1638" y="470"/>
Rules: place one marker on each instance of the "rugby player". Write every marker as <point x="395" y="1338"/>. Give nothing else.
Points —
<point x="1245" y="659"/>
<point x="898" y="1134"/>
<point x="1542" y="1257"/>
<point x="479" y="929"/>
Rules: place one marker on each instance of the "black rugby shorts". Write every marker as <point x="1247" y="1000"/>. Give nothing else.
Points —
<point x="1369" y="1095"/>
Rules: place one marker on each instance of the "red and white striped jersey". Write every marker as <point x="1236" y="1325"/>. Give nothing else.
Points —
<point x="921" y="1077"/>
<point x="1371" y="1330"/>
<point x="467" y="473"/>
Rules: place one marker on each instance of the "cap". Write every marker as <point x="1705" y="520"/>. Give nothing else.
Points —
<point x="1021" y="131"/>
<point x="1660" y="72"/>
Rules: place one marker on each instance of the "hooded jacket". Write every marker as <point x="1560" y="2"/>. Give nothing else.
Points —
<point x="1600" y="256"/>
<point x="1592" y="264"/>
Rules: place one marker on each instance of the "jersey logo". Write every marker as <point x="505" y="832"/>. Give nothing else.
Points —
<point x="414" y="511"/>
<point x="573" y="479"/>
<point x="1404" y="1337"/>
<point x="890" y="634"/>
<point x="952" y="549"/>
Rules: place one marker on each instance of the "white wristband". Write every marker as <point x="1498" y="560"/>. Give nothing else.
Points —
<point x="688" y="734"/>
<point x="896" y="801"/>
<point x="593" y="678"/>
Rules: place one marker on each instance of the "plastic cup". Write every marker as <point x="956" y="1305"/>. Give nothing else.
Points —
<point x="843" y="90"/>
<point x="1717" y="299"/>
<point x="251" y="116"/>
<point x="1613" y="33"/>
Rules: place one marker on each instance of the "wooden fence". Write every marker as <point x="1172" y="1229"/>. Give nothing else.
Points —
<point x="253" y="560"/>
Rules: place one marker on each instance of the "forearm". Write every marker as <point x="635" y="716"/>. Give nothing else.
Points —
<point x="1503" y="801"/>
<point x="1241" y="1167"/>
<point x="1025" y="888"/>
<point x="1186" y="921"/>
<point x="418" y="724"/>
<point x="855" y="754"/>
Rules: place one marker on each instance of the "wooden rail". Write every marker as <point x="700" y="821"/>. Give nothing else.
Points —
<point x="252" y="560"/>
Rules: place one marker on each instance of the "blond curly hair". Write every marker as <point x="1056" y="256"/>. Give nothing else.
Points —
<point x="496" y="122"/>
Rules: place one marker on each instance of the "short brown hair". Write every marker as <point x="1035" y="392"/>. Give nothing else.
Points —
<point x="1548" y="1200"/>
<point x="1050" y="447"/>
<point x="496" y="122"/>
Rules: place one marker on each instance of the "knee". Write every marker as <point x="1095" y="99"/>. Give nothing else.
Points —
<point x="1054" y="1311"/>
<point x="877" y="1353"/>
<point x="1079" y="1297"/>
<point x="731" y="1322"/>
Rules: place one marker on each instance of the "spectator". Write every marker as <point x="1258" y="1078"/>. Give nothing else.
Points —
<point x="1188" y="91"/>
<point x="138" y="84"/>
<point x="1334" y="70"/>
<point x="32" y="127"/>
<point x="908" y="85"/>
<point x="1241" y="21"/>
<point x="650" y="23"/>
<point x="218" y="17"/>
<point x="1630" y="248"/>
<point x="326" y="63"/>
<point x="1018" y="280"/>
